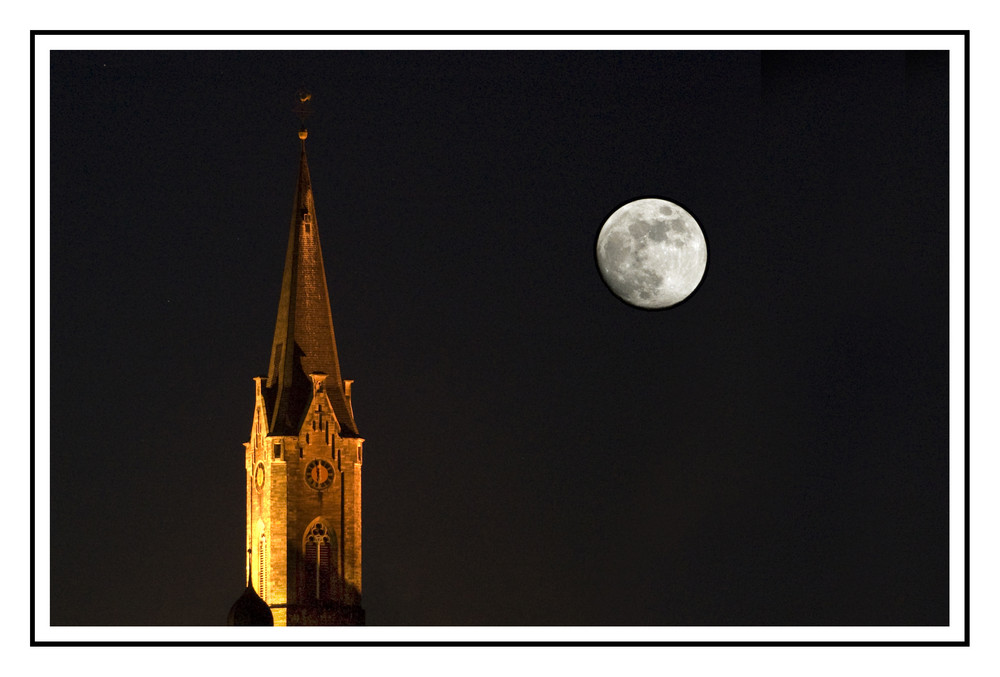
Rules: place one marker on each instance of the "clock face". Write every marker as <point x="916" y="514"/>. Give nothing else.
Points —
<point x="319" y="475"/>
<point x="258" y="476"/>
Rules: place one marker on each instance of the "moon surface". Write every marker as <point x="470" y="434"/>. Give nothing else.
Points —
<point x="651" y="253"/>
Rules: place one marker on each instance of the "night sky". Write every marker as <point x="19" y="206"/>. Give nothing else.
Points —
<point x="772" y="451"/>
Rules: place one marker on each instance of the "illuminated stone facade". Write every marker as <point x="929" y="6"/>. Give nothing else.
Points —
<point x="303" y="460"/>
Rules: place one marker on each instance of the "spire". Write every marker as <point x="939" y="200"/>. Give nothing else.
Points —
<point x="304" y="341"/>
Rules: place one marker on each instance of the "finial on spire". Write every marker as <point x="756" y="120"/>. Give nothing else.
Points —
<point x="303" y="109"/>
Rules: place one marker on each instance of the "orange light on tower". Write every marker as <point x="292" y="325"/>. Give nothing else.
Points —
<point x="303" y="460"/>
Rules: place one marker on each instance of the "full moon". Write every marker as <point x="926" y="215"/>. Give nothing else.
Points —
<point x="651" y="253"/>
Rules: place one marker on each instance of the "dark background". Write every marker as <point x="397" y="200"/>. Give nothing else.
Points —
<point x="772" y="451"/>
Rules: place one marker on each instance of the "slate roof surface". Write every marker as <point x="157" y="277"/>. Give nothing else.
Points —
<point x="304" y="341"/>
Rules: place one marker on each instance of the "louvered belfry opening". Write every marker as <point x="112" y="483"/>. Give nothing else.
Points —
<point x="319" y="564"/>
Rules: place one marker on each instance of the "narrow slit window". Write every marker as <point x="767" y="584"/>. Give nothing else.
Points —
<point x="262" y="567"/>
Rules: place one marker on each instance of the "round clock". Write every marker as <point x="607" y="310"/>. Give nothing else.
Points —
<point x="258" y="475"/>
<point x="319" y="475"/>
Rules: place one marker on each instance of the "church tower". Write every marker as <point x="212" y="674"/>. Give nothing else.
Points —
<point x="303" y="460"/>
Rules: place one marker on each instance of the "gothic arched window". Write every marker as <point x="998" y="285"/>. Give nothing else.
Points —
<point x="320" y="566"/>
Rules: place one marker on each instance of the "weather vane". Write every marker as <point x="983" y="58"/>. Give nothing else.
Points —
<point x="303" y="108"/>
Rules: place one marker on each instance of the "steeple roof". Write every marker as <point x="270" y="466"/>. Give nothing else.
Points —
<point x="304" y="341"/>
